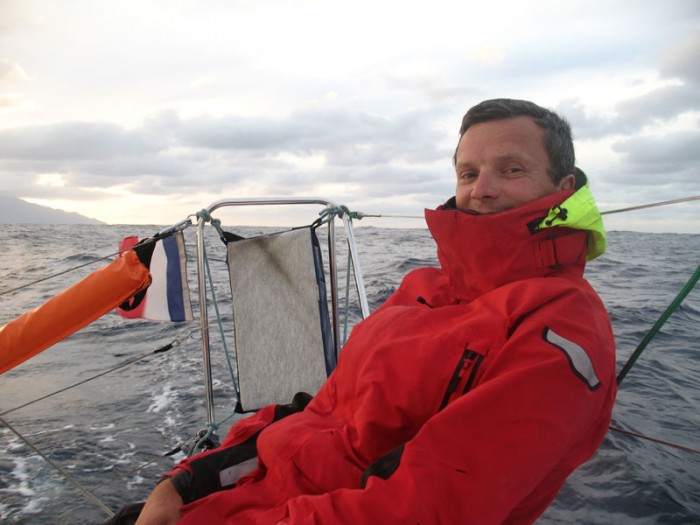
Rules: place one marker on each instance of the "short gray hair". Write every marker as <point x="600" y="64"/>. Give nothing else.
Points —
<point x="557" y="133"/>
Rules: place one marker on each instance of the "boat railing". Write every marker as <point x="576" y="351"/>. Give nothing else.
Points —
<point x="332" y="210"/>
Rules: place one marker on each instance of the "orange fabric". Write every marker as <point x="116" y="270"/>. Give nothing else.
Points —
<point x="71" y="310"/>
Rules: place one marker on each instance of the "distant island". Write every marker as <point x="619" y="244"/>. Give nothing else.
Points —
<point x="17" y="211"/>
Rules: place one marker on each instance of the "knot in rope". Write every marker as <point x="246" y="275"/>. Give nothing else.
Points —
<point x="216" y="223"/>
<point x="204" y="214"/>
<point x="332" y="211"/>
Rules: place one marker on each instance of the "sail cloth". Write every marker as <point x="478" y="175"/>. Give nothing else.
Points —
<point x="168" y="297"/>
<point x="281" y="322"/>
<point x="71" y="310"/>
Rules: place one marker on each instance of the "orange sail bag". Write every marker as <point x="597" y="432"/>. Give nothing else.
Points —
<point x="72" y="309"/>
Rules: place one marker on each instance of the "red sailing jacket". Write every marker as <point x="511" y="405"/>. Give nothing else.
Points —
<point x="468" y="397"/>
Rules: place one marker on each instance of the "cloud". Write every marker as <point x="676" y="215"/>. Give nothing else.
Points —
<point x="74" y="141"/>
<point x="663" y="104"/>
<point x="674" y="92"/>
<point x="679" y="64"/>
<point x="344" y="138"/>
<point x="681" y="60"/>
<point x="667" y="159"/>
<point x="293" y="154"/>
<point x="10" y="70"/>
<point x="339" y="109"/>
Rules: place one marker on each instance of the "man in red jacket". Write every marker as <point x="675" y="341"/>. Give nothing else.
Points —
<point x="473" y="392"/>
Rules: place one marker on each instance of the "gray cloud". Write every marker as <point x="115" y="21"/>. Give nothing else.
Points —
<point x="682" y="59"/>
<point x="678" y="64"/>
<point x="665" y="103"/>
<point x="10" y="70"/>
<point x="171" y="154"/>
<point x="75" y="141"/>
<point x="670" y="158"/>
<point x="584" y="124"/>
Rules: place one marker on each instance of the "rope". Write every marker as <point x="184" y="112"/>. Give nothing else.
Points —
<point x="655" y="440"/>
<point x="657" y="326"/>
<point x="326" y="215"/>
<point x="347" y="297"/>
<point x="652" y="205"/>
<point x="361" y="215"/>
<point x="213" y="427"/>
<point x="95" y="261"/>
<point x="62" y="472"/>
<point x="176" y="342"/>
<point x="160" y="235"/>
<point x="218" y="319"/>
<point x="216" y="223"/>
<point x="329" y="213"/>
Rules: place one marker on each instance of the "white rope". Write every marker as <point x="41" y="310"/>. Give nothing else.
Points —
<point x="653" y="205"/>
<point x="362" y="215"/>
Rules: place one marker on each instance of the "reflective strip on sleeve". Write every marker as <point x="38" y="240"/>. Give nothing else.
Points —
<point x="578" y="358"/>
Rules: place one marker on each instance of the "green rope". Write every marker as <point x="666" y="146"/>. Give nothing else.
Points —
<point x="329" y="213"/>
<point x="213" y="427"/>
<point x="211" y="430"/>
<point x="219" y="321"/>
<point x="216" y="223"/>
<point x="655" y="329"/>
<point x="347" y="298"/>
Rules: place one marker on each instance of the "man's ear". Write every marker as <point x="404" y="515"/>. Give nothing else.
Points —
<point x="567" y="182"/>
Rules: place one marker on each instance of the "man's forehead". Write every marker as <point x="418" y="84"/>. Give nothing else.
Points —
<point x="462" y="160"/>
<point x="515" y="133"/>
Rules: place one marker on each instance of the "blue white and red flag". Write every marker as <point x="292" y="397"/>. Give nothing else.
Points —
<point x="168" y="296"/>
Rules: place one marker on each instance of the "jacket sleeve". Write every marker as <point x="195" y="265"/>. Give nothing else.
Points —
<point x="496" y="454"/>
<point x="220" y="468"/>
<point x="239" y="433"/>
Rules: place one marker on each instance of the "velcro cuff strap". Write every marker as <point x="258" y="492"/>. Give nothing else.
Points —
<point x="206" y="470"/>
<point x="216" y="470"/>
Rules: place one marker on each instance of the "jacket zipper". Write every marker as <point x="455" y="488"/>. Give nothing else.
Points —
<point x="465" y="373"/>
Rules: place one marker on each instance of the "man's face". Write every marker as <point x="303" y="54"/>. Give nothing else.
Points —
<point x="502" y="164"/>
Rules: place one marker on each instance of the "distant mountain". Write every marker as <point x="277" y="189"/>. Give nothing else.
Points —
<point x="17" y="211"/>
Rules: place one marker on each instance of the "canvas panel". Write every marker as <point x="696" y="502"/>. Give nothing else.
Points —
<point x="279" y="343"/>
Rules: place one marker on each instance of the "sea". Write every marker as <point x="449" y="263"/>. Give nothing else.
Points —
<point x="98" y="411"/>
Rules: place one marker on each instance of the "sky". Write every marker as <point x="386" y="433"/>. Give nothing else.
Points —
<point x="145" y="112"/>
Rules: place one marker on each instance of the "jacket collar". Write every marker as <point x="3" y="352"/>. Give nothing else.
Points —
<point x="479" y="253"/>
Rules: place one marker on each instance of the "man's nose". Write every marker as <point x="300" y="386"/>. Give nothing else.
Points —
<point x="486" y="185"/>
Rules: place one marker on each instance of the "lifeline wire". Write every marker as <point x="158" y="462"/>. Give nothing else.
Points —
<point x="126" y="363"/>
<point x="158" y="236"/>
<point x="169" y="231"/>
<point x="63" y="473"/>
<point x="653" y="205"/>
<point x="655" y="440"/>
<point x="361" y="215"/>
<point x="357" y="215"/>
<point x="26" y="285"/>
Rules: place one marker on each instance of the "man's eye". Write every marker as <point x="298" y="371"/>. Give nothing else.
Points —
<point x="514" y="171"/>
<point x="467" y="175"/>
